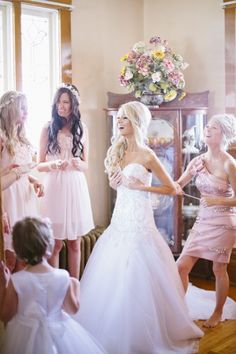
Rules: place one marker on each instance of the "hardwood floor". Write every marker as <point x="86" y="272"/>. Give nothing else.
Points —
<point x="221" y="339"/>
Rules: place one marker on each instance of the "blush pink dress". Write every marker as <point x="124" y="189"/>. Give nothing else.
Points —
<point x="19" y="200"/>
<point x="214" y="232"/>
<point x="66" y="201"/>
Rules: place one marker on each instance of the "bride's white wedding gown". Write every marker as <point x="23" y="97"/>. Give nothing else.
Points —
<point x="132" y="299"/>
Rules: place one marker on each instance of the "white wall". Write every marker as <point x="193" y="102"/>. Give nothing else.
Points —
<point x="194" y="29"/>
<point x="104" y="30"/>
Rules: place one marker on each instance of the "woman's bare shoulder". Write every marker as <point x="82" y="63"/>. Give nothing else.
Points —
<point x="229" y="163"/>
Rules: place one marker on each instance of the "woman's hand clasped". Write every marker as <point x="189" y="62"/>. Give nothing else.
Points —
<point x="38" y="188"/>
<point x="178" y="189"/>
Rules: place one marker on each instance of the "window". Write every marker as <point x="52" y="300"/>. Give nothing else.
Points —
<point x="6" y="48"/>
<point x="40" y="65"/>
<point x="35" y="54"/>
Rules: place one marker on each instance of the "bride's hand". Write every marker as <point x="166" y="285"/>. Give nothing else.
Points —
<point x="115" y="179"/>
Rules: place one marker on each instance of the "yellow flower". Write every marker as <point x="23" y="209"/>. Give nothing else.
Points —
<point x="164" y="85"/>
<point x="137" y="94"/>
<point x="170" y="96"/>
<point x="183" y="94"/>
<point x="124" y="58"/>
<point x="122" y="72"/>
<point x="158" y="54"/>
<point x="152" y="87"/>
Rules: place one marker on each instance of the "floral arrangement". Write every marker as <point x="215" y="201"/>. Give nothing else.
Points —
<point x="156" y="70"/>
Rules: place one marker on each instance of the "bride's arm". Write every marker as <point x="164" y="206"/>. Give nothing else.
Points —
<point x="153" y="164"/>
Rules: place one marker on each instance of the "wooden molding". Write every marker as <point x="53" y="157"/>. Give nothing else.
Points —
<point x="190" y="101"/>
<point x="230" y="60"/>
<point x="17" y="46"/>
<point x="66" y="62"/>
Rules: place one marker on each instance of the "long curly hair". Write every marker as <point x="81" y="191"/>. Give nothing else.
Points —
<point x="140" y="117"/>
<point x="11" y="104"/>
<point x="58" y="122"/>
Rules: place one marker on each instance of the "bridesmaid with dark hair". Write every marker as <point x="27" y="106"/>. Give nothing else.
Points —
<point x="63" y="155"/>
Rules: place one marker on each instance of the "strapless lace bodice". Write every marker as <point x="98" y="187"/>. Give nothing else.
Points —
<point x="66" y="143"/>
<point x="133" y="207"/>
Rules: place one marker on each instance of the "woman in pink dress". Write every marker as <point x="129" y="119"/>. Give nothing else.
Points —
<point x="214" y="232"/>
<point x="19" y="199"/>
<point x="63" y="156"/>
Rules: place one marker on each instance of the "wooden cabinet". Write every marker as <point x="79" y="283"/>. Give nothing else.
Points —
<point x="176" y="136"/>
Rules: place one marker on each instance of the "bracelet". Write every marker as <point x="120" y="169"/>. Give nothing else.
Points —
<point x="17" y="173"/>
<point x="52" y="166"/>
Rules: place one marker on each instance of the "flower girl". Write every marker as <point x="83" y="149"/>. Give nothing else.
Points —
<point x="36" y="302"/>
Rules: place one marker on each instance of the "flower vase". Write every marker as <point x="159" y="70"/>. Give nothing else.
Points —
<point x="151" y="99"/>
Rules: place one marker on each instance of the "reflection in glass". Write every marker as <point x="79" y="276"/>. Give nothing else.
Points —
<point x="161" y="140"/>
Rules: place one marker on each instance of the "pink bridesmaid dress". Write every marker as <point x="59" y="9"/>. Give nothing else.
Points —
<point x="214" y="232"/>
<point x="66" y="202"/>
<point x="19" y="200"/>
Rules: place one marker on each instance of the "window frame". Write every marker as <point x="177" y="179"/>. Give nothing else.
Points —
<point x="7" y="46"/>
<point x="64" y="12"/>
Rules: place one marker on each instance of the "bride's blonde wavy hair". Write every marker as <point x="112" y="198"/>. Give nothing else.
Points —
<point x="10" y="105"/>
<point x="139" y="116"/>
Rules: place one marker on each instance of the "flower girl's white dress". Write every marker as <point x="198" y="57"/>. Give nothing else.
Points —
<point x="40" y="326"/>
<point x="132" y="299"/>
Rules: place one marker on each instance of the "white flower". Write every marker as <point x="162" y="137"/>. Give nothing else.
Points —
<point x="128" y="74"/>
<point x="156" y="77"/>
<point x="139" y="47"/>
<point x="160" y="48"/>
<point x="184" y="65"/>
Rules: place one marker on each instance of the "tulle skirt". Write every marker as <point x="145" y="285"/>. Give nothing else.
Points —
<point x="132" y="299"/>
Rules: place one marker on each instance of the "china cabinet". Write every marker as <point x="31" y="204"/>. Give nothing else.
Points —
<point x="176" y="135"/>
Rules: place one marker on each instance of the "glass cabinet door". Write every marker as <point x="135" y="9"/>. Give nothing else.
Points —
<point x="163" y="139"/>
<point x="193" y="123"/>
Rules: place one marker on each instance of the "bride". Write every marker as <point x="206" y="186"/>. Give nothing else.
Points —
<point x="132" y="298"/>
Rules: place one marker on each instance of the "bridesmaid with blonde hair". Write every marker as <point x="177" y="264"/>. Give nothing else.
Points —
<point x="16" y="151"/>
<point x="214" y="232"/>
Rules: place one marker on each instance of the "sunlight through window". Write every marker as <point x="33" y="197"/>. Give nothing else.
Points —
<point x="40" y="65"/>
<point x="6" y="48"/>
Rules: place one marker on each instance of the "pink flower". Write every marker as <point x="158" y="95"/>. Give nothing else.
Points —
<point x="168" y="64"/>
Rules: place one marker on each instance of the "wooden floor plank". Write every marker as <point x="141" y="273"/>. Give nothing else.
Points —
<point x="222" y="338"/>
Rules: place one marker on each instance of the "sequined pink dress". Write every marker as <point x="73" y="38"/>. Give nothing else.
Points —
<point x="19" y="200"/>
<point x="66" y="201"/>
<point x="214" y="232"/>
